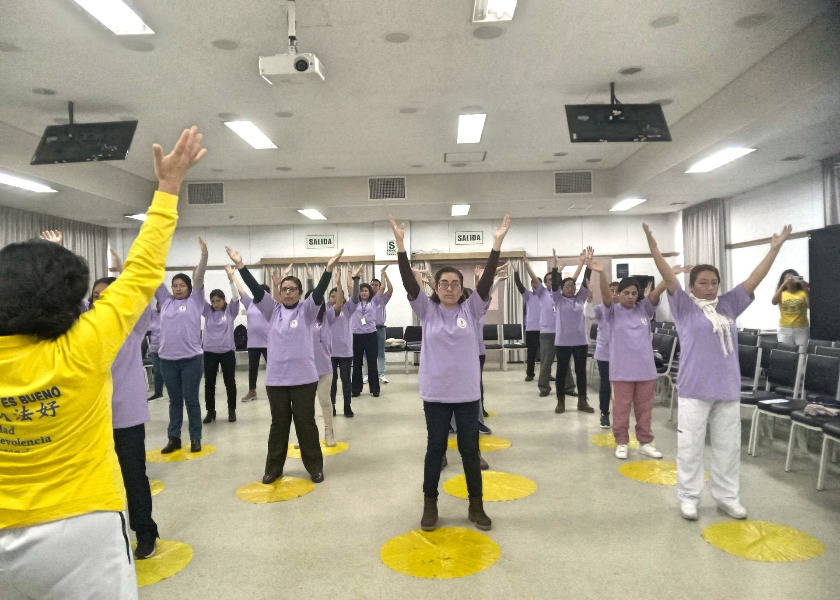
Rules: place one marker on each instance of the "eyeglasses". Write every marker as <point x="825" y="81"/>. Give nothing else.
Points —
<point x="288" y="290"/>
<point x="452" y="285"/>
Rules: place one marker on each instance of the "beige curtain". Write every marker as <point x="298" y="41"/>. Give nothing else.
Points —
<point x="299" y="271"/>
<point x="704" y="236"/>
<point x="831" y="190"/>
<point x="513" y="301"/>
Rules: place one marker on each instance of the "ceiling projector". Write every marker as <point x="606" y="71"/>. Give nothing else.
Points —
<point x="282" y="68"/>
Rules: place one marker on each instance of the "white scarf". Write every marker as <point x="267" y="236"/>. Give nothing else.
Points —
<point x="719" y="322"/>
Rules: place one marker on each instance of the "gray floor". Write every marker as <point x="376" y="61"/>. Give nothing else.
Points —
<point x="587" y="532"/>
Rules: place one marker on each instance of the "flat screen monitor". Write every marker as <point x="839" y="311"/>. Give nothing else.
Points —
<point x="617" y="123"/>
<point x="82" y="142"/>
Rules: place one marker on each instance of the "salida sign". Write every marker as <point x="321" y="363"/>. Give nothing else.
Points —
<point x="320" y="241"/>
<point x="469" y="237"/>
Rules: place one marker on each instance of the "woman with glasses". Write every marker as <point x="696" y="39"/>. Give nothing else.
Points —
<point x="365" y="342"/>
<point x="709" y="380"/>
<point x="449" y="372"/>
<point x="291" y="376"/>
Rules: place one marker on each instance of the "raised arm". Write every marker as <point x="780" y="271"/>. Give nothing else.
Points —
<point x="535" y="281"/>
<point x="310" y="278"/>
<point x="198" y="274"/>
<point x="257" y="291"/>
<point x="486" y="281"/>
<point x="339" y="292"/>
<point x="518" y="282"/>
<point x="760" y="272"/>
<point x="115" y="260"/>
<point x="604" y="282"/>
<point x="661" y="264"/>
<point x="234" y="286"/>
<point x="323" y="284"/>
<point x="409" y="283"/>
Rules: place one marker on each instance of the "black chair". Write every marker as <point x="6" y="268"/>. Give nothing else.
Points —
<point x="766" y="346"/>
<point x="512" y="336"/>
<point x="413" y="337"/>
<point x="788" y="347"/>
<point x="593" y="332"/>
<point x="669" y="325"/>
<point x="831" y="434"/>
<point x="662" y="330"/>
<point x="755" y="332"/>
<point x="749" y="359"/>
<point x="823" y="351"/>
<point x="801" y="422"/>
<point x="814" y="344"/>
<point x="783" y="373"/>
<point x="394" y="333"/>
<point x="747" y="339"/>
<point x="491" y="334"/>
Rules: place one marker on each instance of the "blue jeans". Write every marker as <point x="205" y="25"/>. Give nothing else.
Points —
<point x="380" y="356"/>
<point x="158" y="376"/>
<point x="605" y="391"/>
<point x="438" y="415"/>
<point x="182" y="378"/>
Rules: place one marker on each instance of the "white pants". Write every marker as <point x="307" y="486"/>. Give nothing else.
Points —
<point x="724" y="419"/>
<point x="85" y="557"/>
<point x="324" y="383"/>
<point x="793" y="335"/>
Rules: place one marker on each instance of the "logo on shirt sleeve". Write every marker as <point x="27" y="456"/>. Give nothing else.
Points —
<point x="462" y="322"/>
<point x="293" y="323"/>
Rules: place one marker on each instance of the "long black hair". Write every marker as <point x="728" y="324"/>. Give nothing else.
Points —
<point x="787" y="272"/>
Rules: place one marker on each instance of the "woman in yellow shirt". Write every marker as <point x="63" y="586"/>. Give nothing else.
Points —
<point x="62" y="530"/>
<point x="792" y="298"/>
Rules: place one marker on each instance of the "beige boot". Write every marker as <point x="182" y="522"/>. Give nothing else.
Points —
<point x="477" y="515"/>
<point x="583" y="405"/>
<point x="430" y="514"/>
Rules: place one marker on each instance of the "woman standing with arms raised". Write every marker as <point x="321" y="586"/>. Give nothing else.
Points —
<point x="449" y="372"/>
<point x="219" y="347"/>
<point x="709" y="380"/>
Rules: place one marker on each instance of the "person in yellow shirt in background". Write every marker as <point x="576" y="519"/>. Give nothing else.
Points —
<point x="792" y="298"/>
<point x="62" y="530"/>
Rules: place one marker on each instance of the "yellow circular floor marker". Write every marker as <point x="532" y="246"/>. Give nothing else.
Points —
<point x="660" y="472"/>
<point x="444" y="553"/>
<point x="339" y="447"/>
<point x="156" y="486"/>
<point x="285" y="488"/>
<point x="496" y="486"/>
<point x="486" y="443"/>
<point x="492" y="413"/>
<point x="763" y="541"/>
<point x="607" y="440"/>
<point x="170" y="557"/>
<point x="155" y="456"/>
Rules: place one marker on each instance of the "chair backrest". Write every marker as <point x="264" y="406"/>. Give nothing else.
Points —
<point x="669" y="325"/>
<point x="661" y="330"/>
<point x="755" y="332"/>
<point x="749" y="358"/>
<point x="766" y="345"/>
<point x="491" y="333"/>
<point x="814" y="344"/>
<point x="788" y="347"/>
<point x="822" y="374"/>
<point x="822" y="350"/>
<point x="413" y="333"/>
<point x="747" y="339"/>
<point x="656" y="340"/>
<point x="394" y="332"/>
<point x="782" y="368"/>
<point x="667" y="348"/>
<point x="512" y="331"/>
<point x="593" y="331"/>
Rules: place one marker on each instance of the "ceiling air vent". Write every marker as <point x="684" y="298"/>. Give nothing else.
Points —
<point x="386" y="188"/>
<point x="572" y="182"/>
<point x="205" y="193"/>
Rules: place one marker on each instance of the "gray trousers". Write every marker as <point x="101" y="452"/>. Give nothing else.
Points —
<point x="547" y="354"/>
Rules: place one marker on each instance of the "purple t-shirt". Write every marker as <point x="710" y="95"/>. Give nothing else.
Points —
<point x="128" y="402"/>
<point x="341" y="337"/>
<point x="364" y="319"/>
<point x="291" y="358"/>
<point x="321" y="347"/>
<point x="705" y="373"/>
<point x="630" y="347"/>
<point x="533" y="309"/>
<point x="180" y="324"/>
<point x="154" y="330"/>
<point x="548" y="318"/>
<point x="257" y="325"/>
<point x="449" y="370"/>
<point x="379" y="301"/>
<point x="571" y="322"/>
<point x="218" y="327"/>
<point x="602" y="342"/>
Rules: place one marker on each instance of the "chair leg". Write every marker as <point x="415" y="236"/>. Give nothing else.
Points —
<point x="756" y="417"/>
<point x="789" y="456"/>
<point x="823" y="463"/>
<point x="673" y="403"/>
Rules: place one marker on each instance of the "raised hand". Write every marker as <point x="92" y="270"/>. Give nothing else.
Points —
<point x="275" y="276"/>
<point x="590" y="252"/>
<point x="203" y="246"/>
<point x="358" y="272"/>
<point x="309" y="273"/>
<point x="651" y="240"/>
<point x="172" y="168"/>
<point x="677" y="269"/>
<point x="554" y="259"/>
<point x="287" y="271"/>
<point x="52" y="235"/>
<point x="499" y="233"/>
<point x="115" y="260"/>
<point x="583" y="257"/>
<point x="235" y="257"/>
<point x="780" y="238"/>
<point x="595" y="266"/>
<point x="648" y="288"/>
<point x="229" y="271"/>
<point x="399" y="230"/>
<point x="382" y="271"/>
<point x="334" y="260"/>
<point x="477" y="270"/>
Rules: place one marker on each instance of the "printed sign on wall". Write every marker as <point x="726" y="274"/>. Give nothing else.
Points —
<point x="320" y="241"/>
<point x="392" y="248"/>
<point x="469" y="237"/>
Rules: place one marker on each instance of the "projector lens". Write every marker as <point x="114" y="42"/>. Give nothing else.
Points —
<point x="301" y="65"/>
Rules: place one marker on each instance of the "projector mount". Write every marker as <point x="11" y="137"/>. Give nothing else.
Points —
<point x="292" y="33"/>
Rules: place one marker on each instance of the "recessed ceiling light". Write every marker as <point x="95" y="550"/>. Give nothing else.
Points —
<point x="7" y="47"/>
<point x="493" y="10"/>
<point x="458" y="164"/>
<point x="408" y="110"/>
<point x="312" y="214"/>
<point x="416" y="166"/>
<point x="44" y="91"/>
<point x="663" y="102"/>
<point x="665" y="21"/>
<point x="470" y="128"/>
<point x="328" y="168"/>
<point x="488" y="32"/>
<point x="251" y="134"/>
<point x="397" y="37"/>
<point x="630" y="70"/>
<point x="560" y="154"/>
<point x="283" y="169"/>
<point x="116" y="16"/>
<point x="593" y="160"/>
<point x="25" y="184"/>
<point x="460" y="210"/>
<point x="284" y="114"/>
<point x="792" y="158"/>
<point x="753" y="20"/>
<point x="719" y="159"/>
<point x="136" y="217"/>
<point x="225" y="44"/>
<point x="627" y="204"/>
<point x="136" y="45"/>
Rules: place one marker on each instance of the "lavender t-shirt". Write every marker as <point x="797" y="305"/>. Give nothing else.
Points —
<point x="571" y="322"/>
<point x="154" y="329"/>
<point x="180" y="324"/>
<point x="291" y="358"/>
<point x="548" y="318"/>
<point x="705" y="373"/>
<point x="365" y="311"/>
<point x="128" y="402"/>
<point x="341" y="337"/>
<point x="533" y="308"/>
<point x="379" y="302"/>
<point x="257" y="325"/>
<point x="449" y="370"/>
<point x="602" y="342"/>
<point x="321" y="343"/>
<point x="631" y="349"/>
<point x="218" y="327"/>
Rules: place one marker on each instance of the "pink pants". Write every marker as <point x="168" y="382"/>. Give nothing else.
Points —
<point x="640" y="395"/>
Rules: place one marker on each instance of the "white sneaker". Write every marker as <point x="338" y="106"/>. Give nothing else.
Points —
<point x="621" y="451"/>
<point x="364" y="379"/>
<point x="733" y="509"/>
<point x="649" y="450"/>
<point x="383" y="379"/>
<point x="688" y="511"/>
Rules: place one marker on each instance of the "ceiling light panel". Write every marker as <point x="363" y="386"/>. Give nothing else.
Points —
<point x="460" y="210"/>
<point x="719" y="159"/>
<point x="25" y="184"/>
<point x="137" y="217"/>
<point x="627" y="204"/>
<point x="251" y="134"/>
<point x="313" y="214"/>
<point x="116" y="16"/>
<point x="487" y="11"/>
<point x="470" y="128"/>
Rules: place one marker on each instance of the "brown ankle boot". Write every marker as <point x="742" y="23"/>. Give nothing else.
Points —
<point x="477" y="515"/>
<point x="430" y="514"/>
<point x="583" y="405"/>
<point x="561" y="405"/>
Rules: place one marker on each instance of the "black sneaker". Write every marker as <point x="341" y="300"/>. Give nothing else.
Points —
<point x="154" y="397"/>
<point x="529" y="378"/>
<point x="482" y="428"/>
<point x="605" y="421"/>
<point x="145" y="549"/>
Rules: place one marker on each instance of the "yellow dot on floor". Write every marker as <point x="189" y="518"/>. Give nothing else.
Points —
<point x="156" y="486"/>
<point x="660" y="472"/>
<point x="492" y="413"/>
<point x="170" y="557"/>
<point x="496" y="486"/>
<point x="607" y="440"/>
<point x="763" y="541"/>
<point x="444" y="553"/>
<point x="155" y="456"/>
<point x="285" y="488"/>
<point x="486" y="443"/>
<point x="325" y="450"/>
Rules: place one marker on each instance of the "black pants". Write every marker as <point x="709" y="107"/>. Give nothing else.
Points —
<point x="532" y="343"/>
<point x="254" y="365"/>
<point x="605" y="391"/>
<point x="130" y="446"/>
<point x="293" y="402"/>
<point x="438" y="415"/>
<point x="366" y="344"/>
<point x="212" y="360"/>
<point x="481" y="358"/>
<point x="564" y="353"/>
<point x="341" y="366"/>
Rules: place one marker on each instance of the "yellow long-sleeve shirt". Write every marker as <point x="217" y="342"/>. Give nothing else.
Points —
<point x="57" y="455"/>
